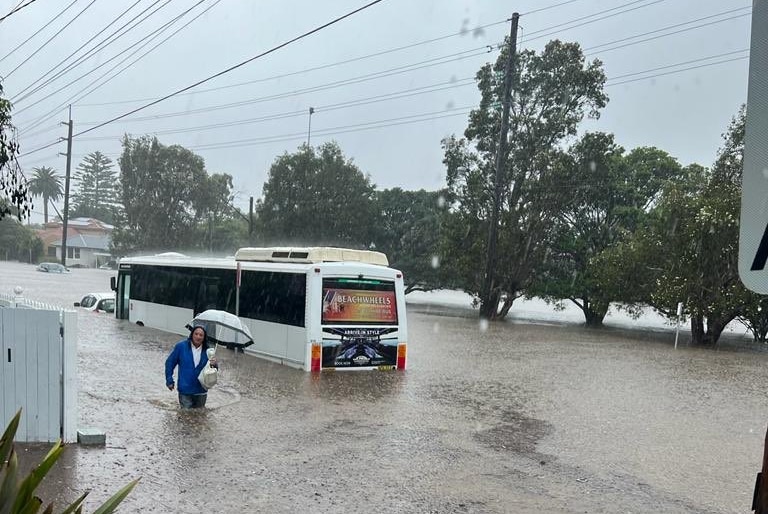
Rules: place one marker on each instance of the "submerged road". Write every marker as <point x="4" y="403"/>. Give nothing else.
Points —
<point x="517" y="417"/>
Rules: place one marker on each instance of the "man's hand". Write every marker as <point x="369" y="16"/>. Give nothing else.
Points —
<point x="170" y="387"/>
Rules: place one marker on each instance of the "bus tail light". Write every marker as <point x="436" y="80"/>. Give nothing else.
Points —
<point x="401" y="354"/>
<point x="317" y="356"/>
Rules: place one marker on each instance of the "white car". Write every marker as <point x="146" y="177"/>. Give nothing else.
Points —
<point x="98" y="302"/>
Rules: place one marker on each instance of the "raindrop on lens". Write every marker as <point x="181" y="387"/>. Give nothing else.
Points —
<point x="441" y="201"/>
<point x="435" y="261"/>
<point x="436" y="328"/>
<point x="483" y="325"/>
<point x="592" y="166"/>
<point x="765" y="172"/>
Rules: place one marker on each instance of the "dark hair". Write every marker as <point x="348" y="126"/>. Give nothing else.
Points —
<point x="205" y="334"/>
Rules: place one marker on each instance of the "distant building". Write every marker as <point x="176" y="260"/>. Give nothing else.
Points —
<point x="88" y="242"/>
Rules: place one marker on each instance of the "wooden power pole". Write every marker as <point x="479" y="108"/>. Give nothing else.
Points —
<point x="65" y="217"/>
<point x="501" y="151"/>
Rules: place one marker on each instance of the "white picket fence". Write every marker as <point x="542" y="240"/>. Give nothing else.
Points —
<point x="38" y="369"/>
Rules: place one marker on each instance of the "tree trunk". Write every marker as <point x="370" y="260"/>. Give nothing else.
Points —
<point x="697" y="329"/>
<point x="489" y="306"/>
<point x="593" y="318"/>
<point x="709" y="335"/>
<point x="594" y="312"/>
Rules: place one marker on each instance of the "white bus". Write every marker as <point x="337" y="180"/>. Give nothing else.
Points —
<point x="310" y="308"/>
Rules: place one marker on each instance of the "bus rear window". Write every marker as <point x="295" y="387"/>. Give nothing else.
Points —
<point x="352" y="301"/>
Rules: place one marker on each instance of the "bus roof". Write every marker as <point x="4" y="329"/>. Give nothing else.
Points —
<point x="313" y="254"/>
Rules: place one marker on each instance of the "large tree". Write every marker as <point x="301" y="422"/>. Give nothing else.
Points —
<point x="407" y="230"/>
<point x="316" y="197"/>
<point x="46" y="183"/>
<point x="166" y="194"/>
<point x="14" y="193"/>
<point x="610" y="194"/>
<point x="18" y="241"/>
<point x="97" y="188"/>
<point x="552" y="92"/>
<point x="693" y="245"/>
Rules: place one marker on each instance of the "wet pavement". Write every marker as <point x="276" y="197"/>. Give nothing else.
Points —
<point x="515" y="417"/>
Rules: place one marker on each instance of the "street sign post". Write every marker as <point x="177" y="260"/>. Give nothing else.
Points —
<point x="753" y="238"/>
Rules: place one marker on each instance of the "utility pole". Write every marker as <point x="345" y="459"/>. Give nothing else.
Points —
<point x="309" y="128"/>
<point x="490" y="301"/>
<point x="65" y="218"/>
<point x="250" y="218"/>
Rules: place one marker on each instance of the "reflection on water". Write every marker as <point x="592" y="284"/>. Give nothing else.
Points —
<point x="513" y="417"/>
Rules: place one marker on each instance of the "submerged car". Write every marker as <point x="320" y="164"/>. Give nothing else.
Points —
<point x="52" y="267"/>
<point x="98" y="302"/>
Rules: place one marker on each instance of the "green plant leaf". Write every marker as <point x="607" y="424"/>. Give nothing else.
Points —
<point x="111" y="504"/>
<point x="9" y="484"/>
<point x="76" y="505"/>
<point x="6" y="442"/>
<point x="29" y="484"/>
<point x="31" y="507"/>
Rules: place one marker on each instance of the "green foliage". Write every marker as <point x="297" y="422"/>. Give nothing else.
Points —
<point x="17" y="494"/>
<point x="14" y="193"/>
<point x="553" y="92"/>
<point x="96" y="195"/>
<point x="317" y="198"/>
<point x="692" y="244"/>
<point x="610" y="193"/>
<point x="168" y="198"/>
<point x="45" y="182"/>
<point x="18" y="242"/>
<point x="407" y="230"/>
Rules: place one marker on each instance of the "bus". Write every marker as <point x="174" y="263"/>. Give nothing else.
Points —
<point x="312" y="308"/>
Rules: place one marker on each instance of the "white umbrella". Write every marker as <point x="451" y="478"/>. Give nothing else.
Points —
<point x="224" y="328"/>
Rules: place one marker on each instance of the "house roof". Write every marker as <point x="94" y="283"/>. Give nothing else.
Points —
<point x="85" y="241"/>
<point x="83" y="224"/>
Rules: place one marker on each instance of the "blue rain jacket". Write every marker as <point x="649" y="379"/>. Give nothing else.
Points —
<point x="181" y="357"/>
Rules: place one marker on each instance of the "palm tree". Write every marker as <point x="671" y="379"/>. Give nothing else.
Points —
<point x="46" y="183"/>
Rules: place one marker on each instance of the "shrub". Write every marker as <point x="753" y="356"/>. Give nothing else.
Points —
<point x="17" y="495"/>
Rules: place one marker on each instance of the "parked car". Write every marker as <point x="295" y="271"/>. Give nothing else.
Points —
<point x="52" y="267"/>
<point x="109" y="265"/>
<point x="98" y="302"/>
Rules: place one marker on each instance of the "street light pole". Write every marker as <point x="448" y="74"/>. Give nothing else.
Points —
<point x="309" y="128"/>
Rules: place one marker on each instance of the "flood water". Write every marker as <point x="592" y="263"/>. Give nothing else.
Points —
<point x="516" y="417"/>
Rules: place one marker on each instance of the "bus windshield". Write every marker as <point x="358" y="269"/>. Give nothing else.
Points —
<point x="359" y="301"/>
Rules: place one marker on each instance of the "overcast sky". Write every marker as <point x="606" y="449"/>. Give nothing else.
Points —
<point x="387" y="83"/>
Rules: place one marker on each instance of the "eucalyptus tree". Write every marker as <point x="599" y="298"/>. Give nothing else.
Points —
<point x="46" y="183"/>
<point x="552" y="92"/>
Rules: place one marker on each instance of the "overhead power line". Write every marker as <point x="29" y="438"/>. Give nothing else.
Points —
<point x="668" y="27"/>
<point x="549" y="7"/>
<point x="231" y="68"/>
<point x="100" y="46"/>
<point x="56" y="17"/>
<point x="589" y="19"/>
<point x="147" y="40"/>
<point x="659" y="36"/>
<point x="368" y="56"/>
<point x="126" y="67"/>
<point x="16" y="9"/>
<point x="23" y="90"/>
<point x="329" y="85"/>
<point x="22" y="63"/>
<point x="302" y="112"/>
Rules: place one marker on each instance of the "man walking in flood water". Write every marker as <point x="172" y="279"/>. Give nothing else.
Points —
<point x="190" y="356"/>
